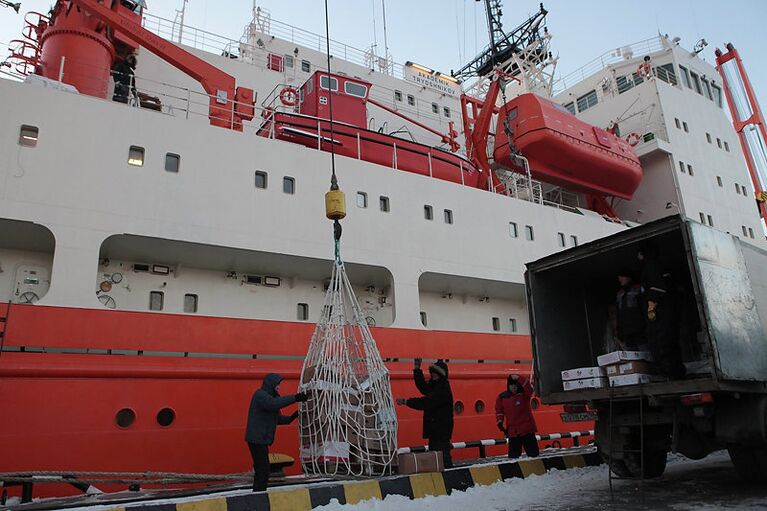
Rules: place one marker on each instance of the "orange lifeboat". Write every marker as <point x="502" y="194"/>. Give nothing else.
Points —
<point x="565" y="151"/>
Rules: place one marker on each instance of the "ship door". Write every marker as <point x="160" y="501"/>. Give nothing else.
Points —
<point x="32" y="282"/>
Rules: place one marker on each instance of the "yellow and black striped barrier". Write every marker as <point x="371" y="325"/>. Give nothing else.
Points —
<point x="352" y="492"/>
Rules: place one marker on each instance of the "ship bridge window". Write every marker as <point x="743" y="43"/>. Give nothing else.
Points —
<point x="28" y="135"/>
<point x="707" y="88"/>
<point x="190" y="303"/>
<point x="587" y="101"/>
<point x="172" y="162"/>
<point x="446" y="111"/>
<point x="355" y="89"/>
<point x="570" y="107"/>
<point x="434" y="108"/>
<point x="328" y="83"/>
<point x="306" y="66"/>
<point x="261" y="179"/>
<point x="685" y="74"/>
<point x="666" y="73"/>
<point x="289" y="62"/>
<point x="411" y="100"/>
<point x="136" y="156"/>
<point x="716" y="92"/>
<point x="288" y="185"/>
<point x="397" y="95"/>
<point x="696" y="83"/>
<point x="362" y="200"/>
<point x="156" y="299"/>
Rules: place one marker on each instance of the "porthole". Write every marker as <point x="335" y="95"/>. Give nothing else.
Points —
<point x="458" y="407"/>
<point x="534" y="403"/>
<point x="125" y="417"/>
<point x="479" y="406"/>
<point x="165" y="417"/>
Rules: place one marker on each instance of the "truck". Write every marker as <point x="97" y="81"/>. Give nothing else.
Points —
<point x="717" y="284"/>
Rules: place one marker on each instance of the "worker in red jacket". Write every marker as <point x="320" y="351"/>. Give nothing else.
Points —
<point x="513" y="407"/>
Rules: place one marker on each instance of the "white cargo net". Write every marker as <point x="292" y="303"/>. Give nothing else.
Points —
<point x="348" y="426"/>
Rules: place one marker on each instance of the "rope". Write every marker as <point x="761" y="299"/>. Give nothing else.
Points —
<point x="348" y="426"/>
<point x="333" y="181"/>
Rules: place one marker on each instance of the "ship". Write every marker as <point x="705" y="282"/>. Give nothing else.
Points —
<point x="161" y="252"/>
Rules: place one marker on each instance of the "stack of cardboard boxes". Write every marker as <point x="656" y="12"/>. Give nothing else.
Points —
<point x="615" y="369"/>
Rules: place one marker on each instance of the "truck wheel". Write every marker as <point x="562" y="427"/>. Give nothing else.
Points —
<point x="750" y="461"/>
<point x="654" y="463"/>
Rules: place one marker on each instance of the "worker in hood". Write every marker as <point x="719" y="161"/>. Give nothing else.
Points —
<point x="513" y="408"/>
<point x="437" y="406"/>
<point x="263" y="418"/>
<point x="630" y="311"/>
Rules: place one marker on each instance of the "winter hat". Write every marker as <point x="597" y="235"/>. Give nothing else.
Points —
<point x="439" y="367"/>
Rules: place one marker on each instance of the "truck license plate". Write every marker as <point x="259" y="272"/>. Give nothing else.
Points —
<point x="578" y="417"/>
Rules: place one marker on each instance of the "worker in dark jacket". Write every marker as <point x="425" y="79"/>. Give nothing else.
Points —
<point x="630" y="312"/>
<point x="263" y="418"/>
<point x="125" y="81"/>
<point x="437" y="406"/>
<point x="513" y="407"/>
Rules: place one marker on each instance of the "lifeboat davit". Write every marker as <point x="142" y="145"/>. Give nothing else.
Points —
<point x="565" y="151"/>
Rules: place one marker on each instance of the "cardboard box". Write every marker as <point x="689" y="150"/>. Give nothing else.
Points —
<point x="634" y="379"/>
<point x="585" y="383"/>
<point x="582" y="372"/>
<point x="329" y="452"/>
<point x="621" y="356"/>
<point x="420" y="462"/>
<point x="637" y="367"/>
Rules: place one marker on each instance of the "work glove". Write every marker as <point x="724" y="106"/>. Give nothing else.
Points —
<point x="417" y="363"/>
<point x="401" y="401"/>
<point x="500" y="427"/>
<point x="301" y="397"/>
<point x="651" y="310"/>
<point x="294" y="416"/>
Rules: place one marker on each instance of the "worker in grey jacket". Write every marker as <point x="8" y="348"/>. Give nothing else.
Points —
<point x="263" y="418"/>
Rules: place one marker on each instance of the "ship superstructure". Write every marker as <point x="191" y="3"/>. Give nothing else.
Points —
<point x="157" y="265"/>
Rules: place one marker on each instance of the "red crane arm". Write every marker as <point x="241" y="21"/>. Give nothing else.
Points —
<point x="229" y="105"/>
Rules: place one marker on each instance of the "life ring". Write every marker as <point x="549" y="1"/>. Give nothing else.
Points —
<point x="644" y="70"/>
<point x="633" y="139"/>
<point x="289" y="96"/>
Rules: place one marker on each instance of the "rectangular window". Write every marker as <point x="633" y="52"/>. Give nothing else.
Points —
<point x="156" y="299"/>
<point x="434" y="108"/>
<point x="710" y="221"/>
<point x="261" y="179"/>
<point x="362" y="200"/>
<point x="448" y="216"/>
<point x="561" y="238"/>
<point x="446" y="111"/>
<point x="288" y="185"/>
<point x="681" y="167"/>
<point x="685" y="77"/>
<point x="302" y="312"/>
<point x="624" y="84"/>
<point x="136" y="156"/>
<point x="678" y="123"/>
<point x="411" y="100"/>
<point x="529" y="233"/>
<point x="513" y="324"/>
<point x="355" y="89"/>
<point x="737" y="188"/>
<point x="587" y="101"/>
<point x="190" y="303"/>
<point x="716" y="92"/>
<point x="706" y="89"/>
<point x="274" y="62"/>
<point x="719" y="181"/>
<point x="666" y="73"/>
<point x="696" y="83"/>
<point x="424" y="319"/>
<point x="727" y="147"/>
<point x="686" y="129"/>
<point x="306" y="66"/>
<point x="513" y="232"/>
<point x="383" y="203"/>
<point x="708" y="137"/>
<point x="750" y="233"/>
<point x="428" y="213"/>
<point x="328" y="83"/>
<point x="702" y="218"/>
<point x="719" y="142"/>
<point x="397" y="95"/>
<point x="745" y="231"/>
<point x="689" y="169"/>
<point x="28" y="135"/>
<point x="637" y="79"/>
<point x="172" y="162"/>
<point x="570" y="107"/>
<point x="496" y="324"/>
<point x="289" y="61"/>
<point x="574" y="241"/>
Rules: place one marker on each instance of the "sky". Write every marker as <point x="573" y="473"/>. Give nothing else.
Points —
<point x="444" y="34"/>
